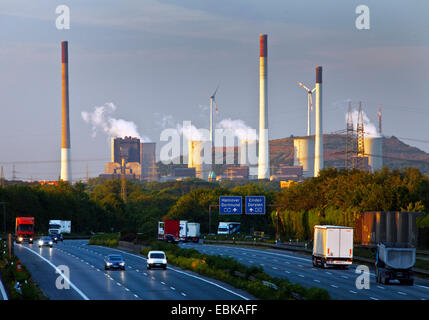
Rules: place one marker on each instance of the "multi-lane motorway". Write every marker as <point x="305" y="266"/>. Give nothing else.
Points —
<point x="88" y="280"/>
<point x="341" y="284"/>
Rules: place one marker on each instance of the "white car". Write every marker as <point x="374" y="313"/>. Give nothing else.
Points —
<point x="156" y="259"/>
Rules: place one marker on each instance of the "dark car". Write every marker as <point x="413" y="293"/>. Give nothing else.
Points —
<point x="114" y="261"/>
<point x="171" y="239"/>
<point x="56" y="237"/>
<point x="45" y="241"/>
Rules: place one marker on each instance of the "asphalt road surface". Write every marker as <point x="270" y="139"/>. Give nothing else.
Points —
<point x="88" y="280"/>
<point x="298" y="268"/>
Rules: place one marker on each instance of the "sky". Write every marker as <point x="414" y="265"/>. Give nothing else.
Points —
<point x="158" y="61"/>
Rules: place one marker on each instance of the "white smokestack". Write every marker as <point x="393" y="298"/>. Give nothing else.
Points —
<point x="318" y="160"/>
<point x="264" y="155"/>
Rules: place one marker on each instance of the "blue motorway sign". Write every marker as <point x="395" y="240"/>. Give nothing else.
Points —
<point x="255" y="205"/>
<point x="230" y="205"/>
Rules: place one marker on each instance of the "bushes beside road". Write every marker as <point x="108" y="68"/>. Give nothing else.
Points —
<point x="26" y="288"/>
<point x="251" y="279"/>
<point x="105" y="239"/>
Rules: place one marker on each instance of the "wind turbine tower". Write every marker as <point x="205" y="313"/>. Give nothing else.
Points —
<point x="309" y="106"/>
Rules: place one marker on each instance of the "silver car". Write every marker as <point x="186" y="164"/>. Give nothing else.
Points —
<point x="45" y="241"/>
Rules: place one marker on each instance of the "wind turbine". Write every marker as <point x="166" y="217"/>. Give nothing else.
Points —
<point x="309" y="106"/>
<point x="212" y="175"/>
<point x="212" y="102"/>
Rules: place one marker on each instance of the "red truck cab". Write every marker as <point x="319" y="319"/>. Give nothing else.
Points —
<point x="24" y="229"/>
<point x="169" y="227"/>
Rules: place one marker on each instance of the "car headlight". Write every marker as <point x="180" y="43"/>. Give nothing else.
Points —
<point x="109" y="263"/>
<point x="40" y="242"/>
<point x="20" y="239"/>
<point x="122" y="263"/>
<point x="50" y="242"/>
<point x="164" y="261"/>
<point x="31" y="239"/>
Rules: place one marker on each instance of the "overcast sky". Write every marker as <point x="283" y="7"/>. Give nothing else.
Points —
<point x="158" y="61"/>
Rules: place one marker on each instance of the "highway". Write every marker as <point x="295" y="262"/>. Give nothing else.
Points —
<point x="298" y="268"/>
<point x="88" y="280"/>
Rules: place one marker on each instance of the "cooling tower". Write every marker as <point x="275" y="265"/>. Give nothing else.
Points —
<point x="264" y="155"/>
<point x="65" y="123"/>
<point x="318" y="153"/>
<point x="304" y="155"/>
<point x="373" y="147"/>
<point x="248" y="156"/>
<point x="196" y="159"/>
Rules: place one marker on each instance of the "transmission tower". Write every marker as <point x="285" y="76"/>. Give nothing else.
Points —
<point x="123" y="182"/>
<point x="360" y="140"/>
<point x="350" y="139"/>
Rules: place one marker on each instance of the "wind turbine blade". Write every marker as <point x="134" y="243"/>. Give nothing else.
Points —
<point x="303" y="86"/>
<point x="314" y="89"/>
<point x="214" y="93"/>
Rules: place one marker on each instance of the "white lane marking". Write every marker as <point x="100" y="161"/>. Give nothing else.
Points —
<point x="328" y="273"/>
<point x="334" y="286"/>
<point x="118" y="283"/>
<point x="183" y="294"/>
<point x="287" y="271"/>
<point x="126" y="289"/>
<point x="352" y="291"/>
<point x="345" y="277"/>
<point x="163" y="282"/>
<point x="3" y="291"/>
<point x="274" y="268"/>
<point x="315" y="280"/>
<point x="137" y="270"/>
<point x="59" y="272"/>
<point x="300" y="265"/>
<point x="172" y="288"/>
<point x="403" y="293"/>
<point x="373" y="298"/>
<point x="190" y="275"/>
<point x="380" y="287"/>
<point x="417" y="285"/>
<point x="302" y="276"/>
<point x="145" y="273"/>
<point x="136" y="296"/>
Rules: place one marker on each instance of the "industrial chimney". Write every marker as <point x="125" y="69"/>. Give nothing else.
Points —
<point x="65" y="132"/>
<point x="318" y="159"/>
<point x="264" y="155"/>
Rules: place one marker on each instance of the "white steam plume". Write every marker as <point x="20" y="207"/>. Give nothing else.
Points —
<point x="100" y="119"/>
<point x="369" y="128"/>
<point x="239" y="128"/>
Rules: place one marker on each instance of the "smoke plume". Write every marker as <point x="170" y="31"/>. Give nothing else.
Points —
<point x="101" y="119"/>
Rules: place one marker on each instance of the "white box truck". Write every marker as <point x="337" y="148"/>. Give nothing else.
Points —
<point x="193" y="233"/>
<point x="59" y="226"/>
<point x="228" y="228"/>
<point x="332" y="246"/>
<point x="183" y="230"/>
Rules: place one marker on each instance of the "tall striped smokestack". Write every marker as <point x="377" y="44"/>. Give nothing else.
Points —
<point x="318" y="151"/>
<point x="264" y="156"/>
<point x="65" y="130"/>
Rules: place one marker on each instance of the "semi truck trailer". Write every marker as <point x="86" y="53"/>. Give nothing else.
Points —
<point x="395" y="261"/>
<point x="332" y="246"/>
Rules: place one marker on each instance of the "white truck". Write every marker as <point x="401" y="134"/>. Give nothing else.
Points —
<point x="228" y="227"/>
<point x="193" y="232"/>
<point x="183" y="230"/>
<point x="395" y="261"/>
<point x="59" y="226"/>
<point x="332" y="246"/>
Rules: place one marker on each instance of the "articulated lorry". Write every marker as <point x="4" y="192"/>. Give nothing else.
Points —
<point x="181" y="230"/>
<point x="395" y="261"/>
<point x="332" y="246"/>
<point x="228" y="228"/>
<point x="59" y="226"/>
<point x="24" y="229"/>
